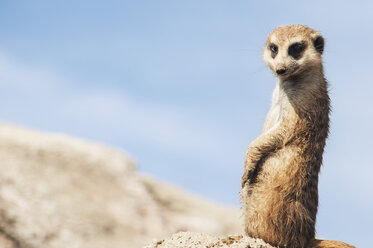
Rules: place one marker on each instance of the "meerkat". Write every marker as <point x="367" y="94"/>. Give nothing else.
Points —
<point x="280" y="181"/>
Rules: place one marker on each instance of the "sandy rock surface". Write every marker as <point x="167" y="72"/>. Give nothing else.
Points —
<point x="57" y="191"/>
<point x="201" y="240"/>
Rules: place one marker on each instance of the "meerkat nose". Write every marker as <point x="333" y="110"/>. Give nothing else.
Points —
<point x="280" y="71"/>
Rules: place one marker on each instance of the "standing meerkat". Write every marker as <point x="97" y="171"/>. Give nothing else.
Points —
<point x="280" y="181"/>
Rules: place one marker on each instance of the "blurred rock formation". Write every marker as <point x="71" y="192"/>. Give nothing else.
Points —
<point x="58" y="192"/>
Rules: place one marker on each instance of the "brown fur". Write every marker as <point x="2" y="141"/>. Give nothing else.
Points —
<point x="316" y="243"/>
<point x="280" y="181"/>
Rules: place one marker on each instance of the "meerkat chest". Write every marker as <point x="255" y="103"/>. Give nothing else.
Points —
<point x="278" y="109"/>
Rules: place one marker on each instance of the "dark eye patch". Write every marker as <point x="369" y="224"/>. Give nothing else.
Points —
<point x="295" y="50"/>
<point x="274" y="50"/>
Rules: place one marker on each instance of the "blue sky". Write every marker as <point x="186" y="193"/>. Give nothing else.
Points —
<point x="180" y="86"/>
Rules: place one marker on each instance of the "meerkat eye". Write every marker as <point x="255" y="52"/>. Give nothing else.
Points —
<point x="274" y="49"/>
<point x="296" y="49"/>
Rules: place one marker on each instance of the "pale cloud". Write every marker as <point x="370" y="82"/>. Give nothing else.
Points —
<point x="176" y="130"/>
<point x="27" y="78"/>
<point x="115" y="113"/>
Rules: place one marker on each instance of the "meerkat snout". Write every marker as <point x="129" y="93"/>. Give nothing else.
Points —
<point x="285" y="68"/>
<point x="281" y="71"/>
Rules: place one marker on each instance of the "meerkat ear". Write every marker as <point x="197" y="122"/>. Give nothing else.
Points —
<point x="318" y="42"/>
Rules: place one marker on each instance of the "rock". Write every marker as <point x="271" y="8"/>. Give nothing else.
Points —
<point x="182" y="211"/>
<point x="201" y="240"/>
<point x="57" y="191"/>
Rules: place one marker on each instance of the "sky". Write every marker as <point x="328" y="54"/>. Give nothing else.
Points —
<point x="181" y="87"/>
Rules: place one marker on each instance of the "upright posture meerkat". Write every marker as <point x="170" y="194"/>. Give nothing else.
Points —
<point x="280" y="181"/>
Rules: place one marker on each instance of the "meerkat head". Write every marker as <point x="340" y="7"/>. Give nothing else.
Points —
<point x="293" y="50"/>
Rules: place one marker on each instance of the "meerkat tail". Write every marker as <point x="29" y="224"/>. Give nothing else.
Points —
<point x="317" y="243"/>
